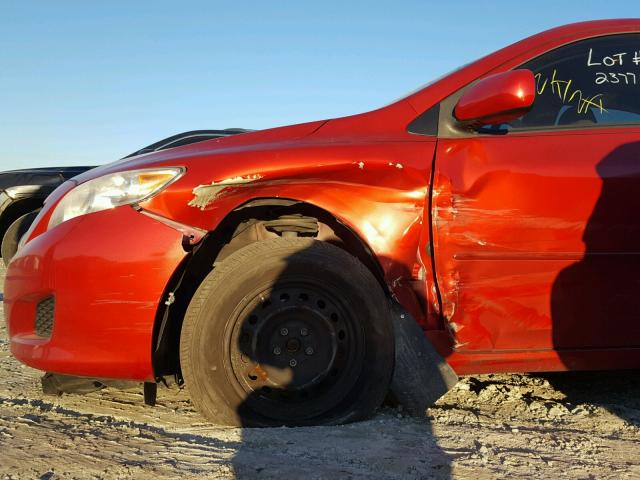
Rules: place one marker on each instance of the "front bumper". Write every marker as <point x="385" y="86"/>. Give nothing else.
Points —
<point x="107" y="273"/>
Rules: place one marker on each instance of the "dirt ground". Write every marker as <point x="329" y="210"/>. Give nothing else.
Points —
<point x="491" y="426"/>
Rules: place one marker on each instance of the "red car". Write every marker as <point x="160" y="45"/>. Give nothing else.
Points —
<point x="498" y="207"/>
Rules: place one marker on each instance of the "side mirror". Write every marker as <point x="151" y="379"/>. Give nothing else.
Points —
<point x="497" y="99"/>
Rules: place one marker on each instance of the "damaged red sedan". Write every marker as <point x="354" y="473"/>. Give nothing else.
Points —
<point x="282" y="274"/>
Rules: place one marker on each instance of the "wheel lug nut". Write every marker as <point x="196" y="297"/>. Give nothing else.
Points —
<point x="293" y="362"/>
<point x="284" y="332"/>
<point x="277" y="351"/>
<point x="309" y="351"/>
<point x="304" y="332"/>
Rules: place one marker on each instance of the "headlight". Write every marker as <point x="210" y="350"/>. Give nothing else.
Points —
<point x="113" y="190"/>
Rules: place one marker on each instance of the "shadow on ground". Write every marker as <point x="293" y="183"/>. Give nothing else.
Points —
<point x="616" y="391"/>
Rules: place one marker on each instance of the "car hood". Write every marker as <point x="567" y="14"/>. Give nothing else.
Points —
<point x="245" y="141"/>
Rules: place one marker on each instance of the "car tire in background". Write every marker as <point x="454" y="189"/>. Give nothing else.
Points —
<point x="13" y="235"/>
<point x="288" y="331"/>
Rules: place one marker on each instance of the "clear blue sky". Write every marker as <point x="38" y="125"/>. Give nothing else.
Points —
<point x="86" y="82"/>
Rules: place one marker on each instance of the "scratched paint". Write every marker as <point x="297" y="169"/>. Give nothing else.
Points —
<point x="205" y="195"/>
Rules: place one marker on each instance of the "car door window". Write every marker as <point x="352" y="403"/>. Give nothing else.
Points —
<point x="594" y="82"/>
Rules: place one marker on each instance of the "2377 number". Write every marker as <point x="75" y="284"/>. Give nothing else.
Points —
<point x="627" y="78"/>
<point x="615" y="60"/>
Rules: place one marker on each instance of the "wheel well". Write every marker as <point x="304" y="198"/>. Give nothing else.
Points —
<point x="254" y="221"/>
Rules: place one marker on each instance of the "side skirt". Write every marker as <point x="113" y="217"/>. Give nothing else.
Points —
<point x="470" y="363"/>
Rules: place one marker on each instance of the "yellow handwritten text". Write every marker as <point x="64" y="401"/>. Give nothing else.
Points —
<point x="567" y="93"/>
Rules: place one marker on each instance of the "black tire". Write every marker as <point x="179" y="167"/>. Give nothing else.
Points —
<point x="13" y="234"/>
<point x="275" y="302"/>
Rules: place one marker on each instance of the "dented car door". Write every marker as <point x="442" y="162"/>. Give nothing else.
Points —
<point x="536" y="224"/>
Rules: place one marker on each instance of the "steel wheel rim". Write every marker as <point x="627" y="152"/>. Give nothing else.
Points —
<point x="294" y="351"/>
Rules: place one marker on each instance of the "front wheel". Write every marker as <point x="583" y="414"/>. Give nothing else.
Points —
<point x="289" y="331"/>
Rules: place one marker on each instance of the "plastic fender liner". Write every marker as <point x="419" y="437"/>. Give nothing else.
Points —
<point x="421" y="375"/>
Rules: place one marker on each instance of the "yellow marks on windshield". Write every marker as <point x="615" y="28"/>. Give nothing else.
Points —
<point x="566" y="91"/>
